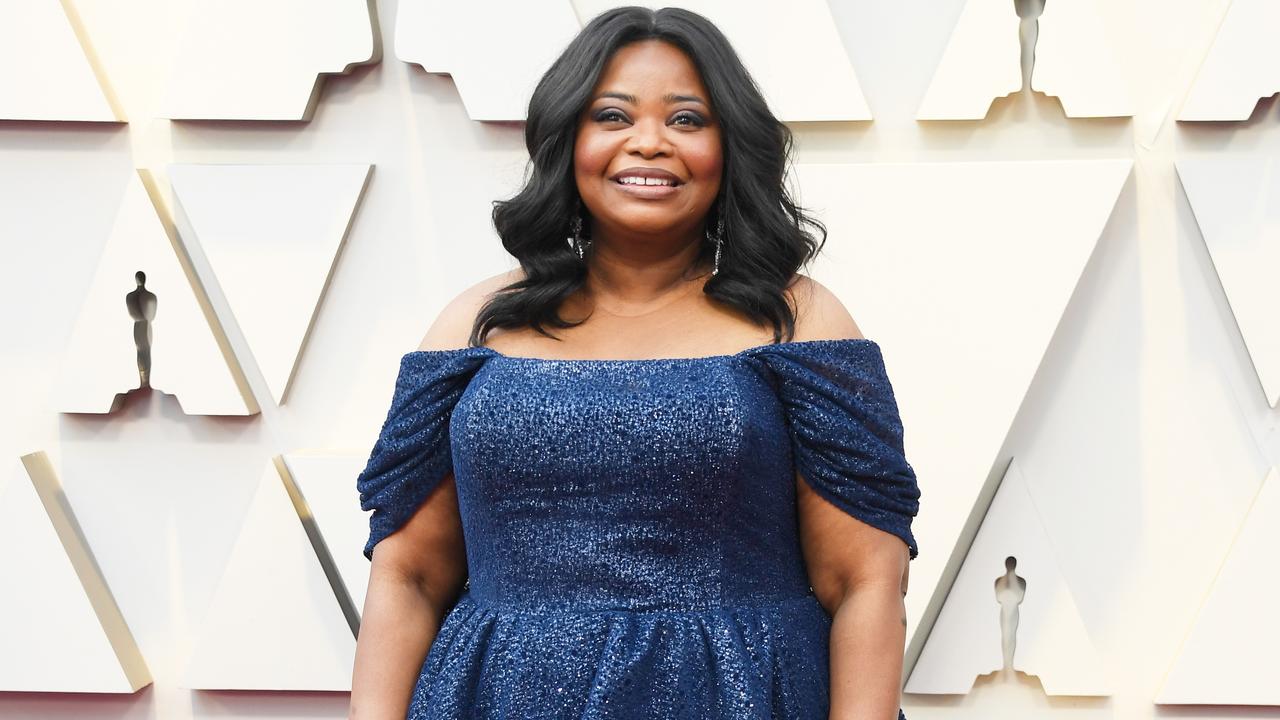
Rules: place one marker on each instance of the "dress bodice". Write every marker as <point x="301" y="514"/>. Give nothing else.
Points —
<point x="640" y="486"/>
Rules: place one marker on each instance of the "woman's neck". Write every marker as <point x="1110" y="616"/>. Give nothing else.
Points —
<point x="634" y="279"/>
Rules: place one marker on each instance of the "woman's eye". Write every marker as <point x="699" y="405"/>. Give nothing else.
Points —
<point x="692" y="118"/>
<point x="607" y="115"/>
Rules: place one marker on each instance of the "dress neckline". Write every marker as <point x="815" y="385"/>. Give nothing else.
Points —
<point x="791" y="344"/>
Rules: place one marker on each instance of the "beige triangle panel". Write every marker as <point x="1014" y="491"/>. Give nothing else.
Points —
<point x="60" y="628"/>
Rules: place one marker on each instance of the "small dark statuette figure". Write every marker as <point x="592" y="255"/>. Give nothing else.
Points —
<point x="1010" y="590"/>
<point x="1028" y="34"/>
<point x="142" y="308"/>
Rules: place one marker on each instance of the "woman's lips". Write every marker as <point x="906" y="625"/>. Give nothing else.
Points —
<point x="649" y="192"/>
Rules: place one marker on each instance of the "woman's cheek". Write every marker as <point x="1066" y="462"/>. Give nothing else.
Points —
<point x="592" y="154"/>
<point x="705" y="162"/>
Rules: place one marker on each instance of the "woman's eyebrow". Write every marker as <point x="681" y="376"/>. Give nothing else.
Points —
<point x="668" y="98"/>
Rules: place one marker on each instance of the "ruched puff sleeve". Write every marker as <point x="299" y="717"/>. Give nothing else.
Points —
<point x="846" y="434"/>
<point x="411" y="455"/>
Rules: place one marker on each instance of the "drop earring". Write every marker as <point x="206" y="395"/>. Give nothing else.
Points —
<point x="575" y="235"/>
<point x="718" y="238"/>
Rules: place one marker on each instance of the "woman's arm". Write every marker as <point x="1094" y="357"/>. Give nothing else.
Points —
<point x="417" y="571"/>
<point x="859" y="574"/>
<point x="416" y="576"/>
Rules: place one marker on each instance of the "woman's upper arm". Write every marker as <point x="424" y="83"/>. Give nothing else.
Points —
<point x="840" y="551"/>
<point x="428" y="550"/>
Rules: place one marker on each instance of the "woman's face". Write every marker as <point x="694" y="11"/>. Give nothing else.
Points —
<point x="649" y="114"/>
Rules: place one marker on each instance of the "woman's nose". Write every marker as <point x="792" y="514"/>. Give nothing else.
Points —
<point x="648" y="138"/>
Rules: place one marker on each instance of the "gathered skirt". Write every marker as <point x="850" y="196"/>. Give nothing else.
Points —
<point x="763" y="661"/>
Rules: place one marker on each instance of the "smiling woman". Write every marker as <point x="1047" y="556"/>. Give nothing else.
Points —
<point x="651" y="92"/>
<point x="664" y="509"/>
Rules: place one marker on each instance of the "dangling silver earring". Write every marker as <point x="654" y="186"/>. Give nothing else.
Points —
<point x="575" y="235"/>
<point x="576" y="241"/>
<point x="717" y="237"/>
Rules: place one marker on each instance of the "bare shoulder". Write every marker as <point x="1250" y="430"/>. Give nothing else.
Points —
<point x="452" y="327"/>
<point x="819" y="313"/>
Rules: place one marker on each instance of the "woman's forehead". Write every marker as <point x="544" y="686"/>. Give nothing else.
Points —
<point x="652" y="68"/>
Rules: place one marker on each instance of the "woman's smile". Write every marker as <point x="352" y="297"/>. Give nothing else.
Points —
<point x="647" y="182"/>
<point x="648" y="192"/>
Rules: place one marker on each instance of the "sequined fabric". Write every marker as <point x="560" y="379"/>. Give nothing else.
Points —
<point x="630" y="525"/>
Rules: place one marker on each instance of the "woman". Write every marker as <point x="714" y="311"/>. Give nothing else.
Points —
<point x="634" y="516"/>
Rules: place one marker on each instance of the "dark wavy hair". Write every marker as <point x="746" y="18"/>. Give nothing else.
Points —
<point x="765" y="239"/>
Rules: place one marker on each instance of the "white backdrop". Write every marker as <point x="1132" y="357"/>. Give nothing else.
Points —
<point x="1143" y="437"/>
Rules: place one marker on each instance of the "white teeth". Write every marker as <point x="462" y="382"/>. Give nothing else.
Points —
<point x="633" y="180"/>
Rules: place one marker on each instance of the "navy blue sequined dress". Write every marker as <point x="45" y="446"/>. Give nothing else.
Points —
<point x="630" y="525"/>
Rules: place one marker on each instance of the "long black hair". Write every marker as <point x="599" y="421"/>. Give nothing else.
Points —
<point x="765" y="240"/>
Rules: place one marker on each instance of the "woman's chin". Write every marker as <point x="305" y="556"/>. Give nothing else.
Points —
<point x="648" y="226"/>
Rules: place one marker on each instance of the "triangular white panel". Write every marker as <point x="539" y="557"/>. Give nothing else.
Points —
<point x="60" y="628"/>
<point x="272" y="234"/>
<point x="44" y="74"/>
<point x="327" y="484"/>
<point x="1241" y="67"/>
<point x="1051" y="640"/>
<point x="1236" y="199"/>
<point x="1229" y="657"/>
<point x="495" y="65"/>
<point x="1074" y="61"/>
<point x="252" y="60"/>
<point x="792" y="50"/>
<point x="980" y="280"/>
<point x="186" y="358"/>
<point x="981" y="63"/>
<point x="274" y="623"/>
